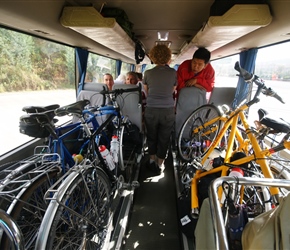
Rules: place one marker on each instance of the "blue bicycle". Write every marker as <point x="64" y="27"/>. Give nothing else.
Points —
<point x="81" y="211"/>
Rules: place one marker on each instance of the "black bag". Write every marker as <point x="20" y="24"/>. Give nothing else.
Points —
<point x="33" y="130"/>
<point x="132" y="137"/>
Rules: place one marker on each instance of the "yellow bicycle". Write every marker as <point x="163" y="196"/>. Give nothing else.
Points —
<point x="212" y="143"/>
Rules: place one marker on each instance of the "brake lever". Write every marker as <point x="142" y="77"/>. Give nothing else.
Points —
<point x="270" y="92"/>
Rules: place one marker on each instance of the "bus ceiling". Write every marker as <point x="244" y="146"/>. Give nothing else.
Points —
<point x="114" y="28"/>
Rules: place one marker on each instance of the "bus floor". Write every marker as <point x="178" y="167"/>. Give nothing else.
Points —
<point x="153" y="222"/>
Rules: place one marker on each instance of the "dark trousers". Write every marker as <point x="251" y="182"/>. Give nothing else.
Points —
<point x="159" y="124"/>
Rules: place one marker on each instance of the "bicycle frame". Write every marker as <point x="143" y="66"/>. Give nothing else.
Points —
<point x="230" y="120"/>
<point x="259" y="156"/>
<point x="59" y="141"/>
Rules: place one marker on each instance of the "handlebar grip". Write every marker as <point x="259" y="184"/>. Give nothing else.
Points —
<point x="104" y="96"/>
<point x="244" y="73"/>
<point x="279" y="98"/>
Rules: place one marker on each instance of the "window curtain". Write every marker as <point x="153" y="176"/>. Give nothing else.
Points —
<point x="82" y="60"/>
<point x="247" y="61"/>
<point x="118" y="67"/>
<point x="143" y="67"/>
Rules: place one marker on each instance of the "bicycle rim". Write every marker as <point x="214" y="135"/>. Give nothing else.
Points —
<point x="82" y="214"/>
<point x="121" y="148"/>
<point x="195" y="144"/>
<point x="28" y="208"/>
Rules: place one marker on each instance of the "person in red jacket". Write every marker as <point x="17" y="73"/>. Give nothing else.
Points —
<point x="196" y="72"/>
<point x="195" y="78"/>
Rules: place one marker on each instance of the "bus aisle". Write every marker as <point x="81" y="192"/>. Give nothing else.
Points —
<point x="153" y="220"/>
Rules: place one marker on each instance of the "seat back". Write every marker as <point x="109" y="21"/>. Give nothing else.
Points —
<point x="222" y="95"/>
<point x="94" y="86"/>
<point x="91" y="92"/>
<point x="189" y="99"/>
<point x="131" y="104"/>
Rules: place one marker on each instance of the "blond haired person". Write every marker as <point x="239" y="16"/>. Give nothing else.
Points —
<point x="159" y="84"/>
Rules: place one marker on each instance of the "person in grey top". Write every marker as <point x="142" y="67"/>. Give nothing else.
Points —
<point x="159" y="85"/>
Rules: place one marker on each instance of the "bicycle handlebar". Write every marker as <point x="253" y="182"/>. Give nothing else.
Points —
<point x="249" y="77"/>
<point x="117" y="92"/>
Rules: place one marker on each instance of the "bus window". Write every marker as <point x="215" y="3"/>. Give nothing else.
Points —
<point x="273" y="65"/>
<point x="225" y="74"/>
<point x="126" y="67"/>
<point x="33" y="72"/>
<point x="97" y="66"/>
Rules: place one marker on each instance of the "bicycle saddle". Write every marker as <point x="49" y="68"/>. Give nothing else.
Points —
<point x="277" y="124"/>
<point x="38" y="118"/>
<point x="74" y="108"/>
<point x="39" y="109"/>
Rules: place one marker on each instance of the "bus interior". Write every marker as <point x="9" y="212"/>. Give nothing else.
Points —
<point x="115" y="36"/>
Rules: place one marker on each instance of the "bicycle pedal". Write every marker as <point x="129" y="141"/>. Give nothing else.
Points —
<point x="135" y="184"/>
<point x="129" y="186"/>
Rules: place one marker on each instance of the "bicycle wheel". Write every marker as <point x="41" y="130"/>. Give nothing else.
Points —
<point x="128" y="152"/>
<point x="198" y="132"/>
<point x="122" y="151"/>
<point x="28" y="208"/>
<point x="78" y="216"/>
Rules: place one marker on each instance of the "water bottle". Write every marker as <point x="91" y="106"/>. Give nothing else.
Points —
<point x="237" y="172"/>
<point x="107" y="157"/>
<point x="115" y="148"/>
<point x="208" y="164"/>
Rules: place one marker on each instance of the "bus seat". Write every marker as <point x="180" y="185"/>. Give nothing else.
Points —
<point x="131" y="104"/>
<point x="92" y="93"/>
<point x="222" y="95"/>
<point x="205" y="226"/>
<point x="186" y="104"/>
<point x="94" y="86"/>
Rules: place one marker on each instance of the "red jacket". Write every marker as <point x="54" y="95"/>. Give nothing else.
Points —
<point x="205" y="78"/>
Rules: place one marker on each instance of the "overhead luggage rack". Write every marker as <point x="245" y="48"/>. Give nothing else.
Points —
<point x="238" y="21"/>
<point x="104" y="30"/>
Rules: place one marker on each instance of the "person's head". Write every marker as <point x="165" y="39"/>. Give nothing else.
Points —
<point x="131" y="78"/>
<point x="200" y="59"/>
<point x="160" y="54"/>
<point x="108" y="80"/>
<point x="139" y="76"/>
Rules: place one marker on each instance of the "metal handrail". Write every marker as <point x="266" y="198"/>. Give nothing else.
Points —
<point x="12" y="230"/>
<point x="220" y="234"/>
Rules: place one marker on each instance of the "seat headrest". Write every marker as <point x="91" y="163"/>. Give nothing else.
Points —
<point x="94" y="86"/>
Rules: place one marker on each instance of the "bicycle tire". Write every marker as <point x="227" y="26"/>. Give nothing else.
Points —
<point x="191" y="145"/>
<point x="28" y="208"/>
<point x="121" y="148"/>
<point x="77" y="219"/>
<point x="127" y="157"/>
